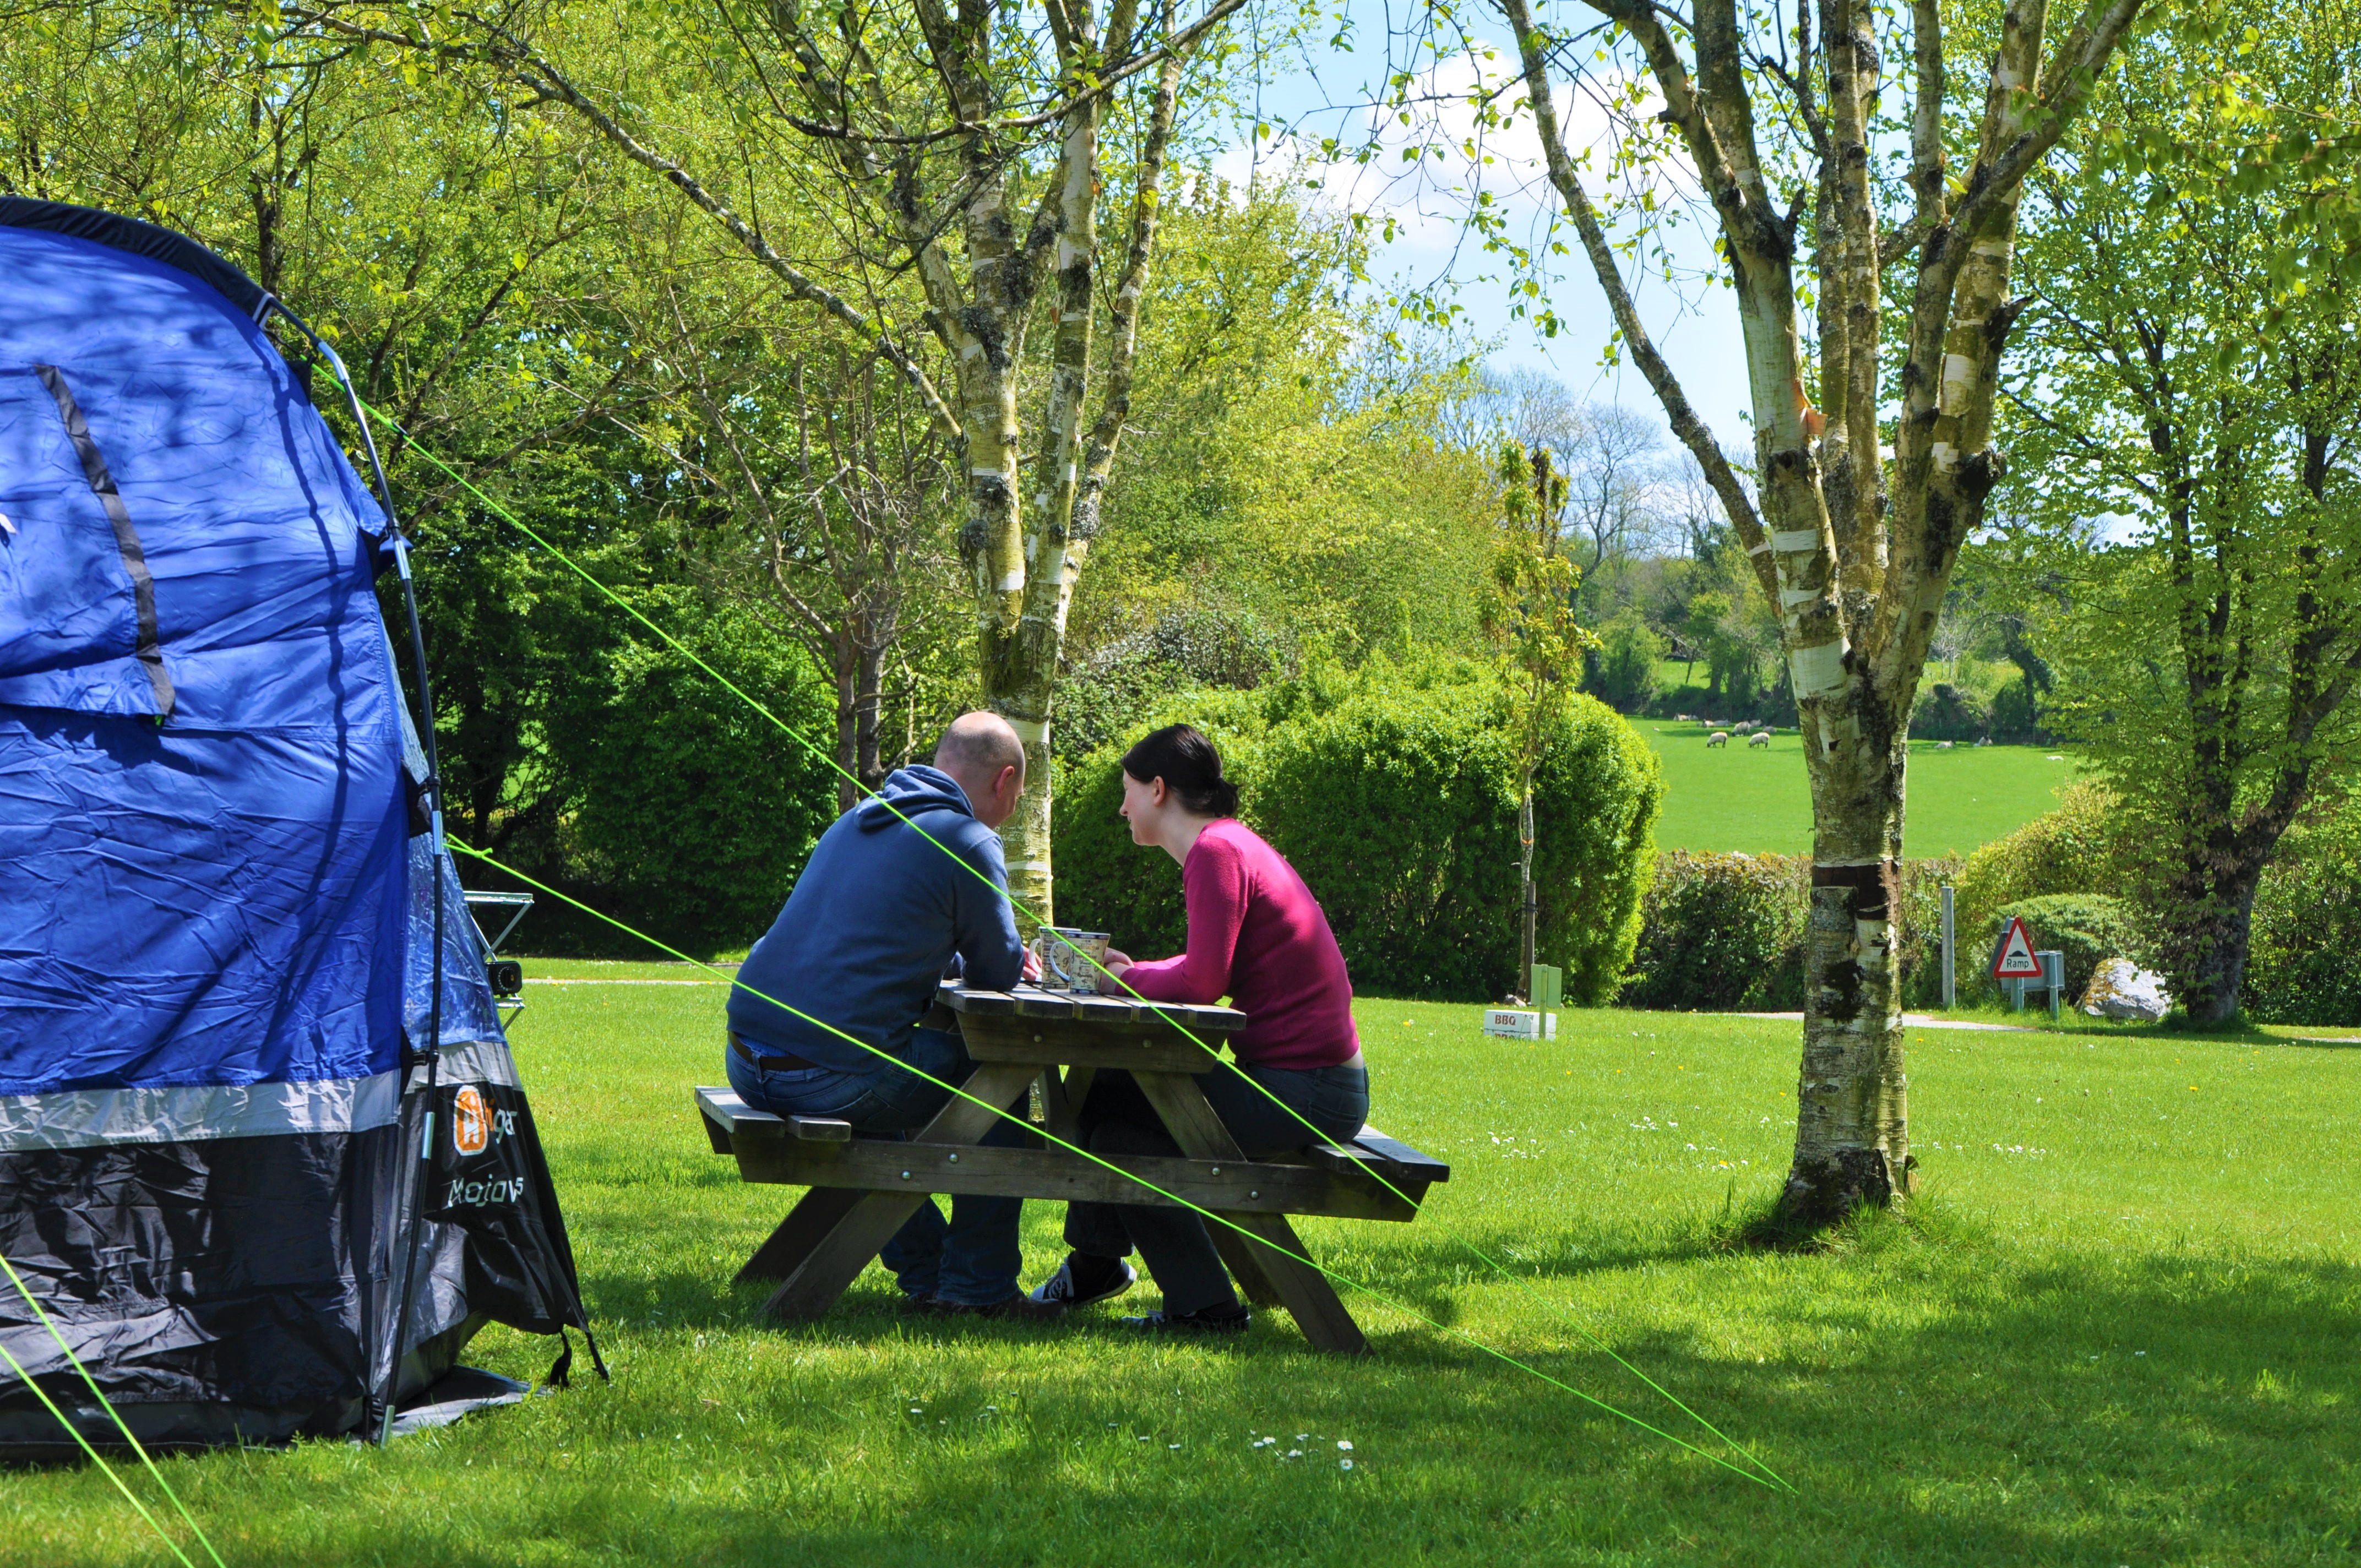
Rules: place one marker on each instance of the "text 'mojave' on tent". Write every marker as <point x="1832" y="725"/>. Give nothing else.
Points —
<point x="217" y="891"/>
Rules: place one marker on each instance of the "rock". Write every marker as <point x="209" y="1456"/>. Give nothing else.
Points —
<point x="2121" y="989"/>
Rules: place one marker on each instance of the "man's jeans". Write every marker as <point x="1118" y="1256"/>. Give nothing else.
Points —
<point x="973" y="1260"/>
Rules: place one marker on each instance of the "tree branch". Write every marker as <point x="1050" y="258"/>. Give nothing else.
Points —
<point x="1682" y="418"/>
<point x="533" y="71"/>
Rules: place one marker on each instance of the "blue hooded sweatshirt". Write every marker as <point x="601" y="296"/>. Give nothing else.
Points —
<point x="873" y="924"/>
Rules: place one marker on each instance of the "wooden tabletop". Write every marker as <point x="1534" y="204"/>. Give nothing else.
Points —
<point x="1113" y="1012"/>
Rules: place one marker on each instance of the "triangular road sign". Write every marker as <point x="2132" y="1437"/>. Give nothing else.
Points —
<point x="2016" y="960"/>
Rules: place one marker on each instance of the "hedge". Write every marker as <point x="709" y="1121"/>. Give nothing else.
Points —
<point x="1724" y="933"/>
<point x="1721" y="933"/>
<point x="683" y="811"/>
<point x="2304" y="962"/>
<point x="2304" y="966"/>
<point x="2073" y="849"/>
<point x="1394" y="791"/>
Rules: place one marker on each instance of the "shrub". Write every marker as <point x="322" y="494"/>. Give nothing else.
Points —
<point x="1922" y="930"/>
<point x="1725" y="932"/>
<point x="1621" y="671"/>
<point x="2089" y="928"/>
<point x="689" y="815"/>
<point x="1943" y="712"/>
<point x="2073" y="849"/>
<point x="2304" y="963"/>
<point x="1106" y="695"/>
<point x="1394" y="791"/>
<point x="2013" y="718"/>
<point x="1721" y="933"/>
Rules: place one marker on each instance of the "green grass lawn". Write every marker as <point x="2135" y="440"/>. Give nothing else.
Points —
<point x="2121" y="1327"/>
<point x="1756" y="799"/>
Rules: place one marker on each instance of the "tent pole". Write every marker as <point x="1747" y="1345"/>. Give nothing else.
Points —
<point x="432" y="1055"/>
<point x="434" y="1049"/>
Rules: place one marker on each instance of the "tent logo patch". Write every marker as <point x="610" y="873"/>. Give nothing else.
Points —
<point x="471" y="1122"/>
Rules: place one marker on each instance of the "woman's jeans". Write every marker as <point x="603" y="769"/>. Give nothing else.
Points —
<point x="1117" y="1120"/>
<point x="973" y="1260"/>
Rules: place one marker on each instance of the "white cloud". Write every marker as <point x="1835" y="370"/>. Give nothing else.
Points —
<point x="1461" y="159"/>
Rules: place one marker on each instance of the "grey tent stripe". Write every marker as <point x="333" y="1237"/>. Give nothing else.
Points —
<point x="127" y="538"/>
<point x="87" y="1118"/>
<point x="475" y="1062"/>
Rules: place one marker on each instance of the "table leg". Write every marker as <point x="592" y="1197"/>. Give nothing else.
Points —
<point x="1062" y="1099"/>
<point x="837" y="1258"/>
<point x="1270" y="1274"/>
<point x="1243" y="1260"/>
<point x="807" y="1225"/>
<point x="1305" y="1292"/>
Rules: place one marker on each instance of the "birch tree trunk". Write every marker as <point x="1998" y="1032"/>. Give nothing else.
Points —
<point x="1855" y="552"/>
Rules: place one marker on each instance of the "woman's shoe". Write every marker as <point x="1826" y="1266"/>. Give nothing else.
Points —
<point x="1230" y="1320"/>
<point x="1062" y="1289"/>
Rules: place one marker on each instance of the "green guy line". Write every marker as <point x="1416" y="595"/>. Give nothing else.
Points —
<point x="1554" y="1308"/>
<point x="1006" y="1114"/>
<point x="108" y="1406"/>
<point x="74" y="1432"/>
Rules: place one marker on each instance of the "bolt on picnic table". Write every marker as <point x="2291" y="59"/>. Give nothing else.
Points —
<point x="864" y="1189"/>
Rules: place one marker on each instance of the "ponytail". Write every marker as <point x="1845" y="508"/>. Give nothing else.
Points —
<point x="1189" y="768"/>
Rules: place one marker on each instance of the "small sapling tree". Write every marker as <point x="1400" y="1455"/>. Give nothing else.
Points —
<point x="1530" y="614"/>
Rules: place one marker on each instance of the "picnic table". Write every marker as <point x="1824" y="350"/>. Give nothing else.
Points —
<point x="862" y="1188"/>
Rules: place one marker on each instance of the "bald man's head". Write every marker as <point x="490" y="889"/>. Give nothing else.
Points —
<point x="982" y="753"/>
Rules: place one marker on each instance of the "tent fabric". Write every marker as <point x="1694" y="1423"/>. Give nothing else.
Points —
<point x="216" y="919"/>
<point x="142" y="950"/>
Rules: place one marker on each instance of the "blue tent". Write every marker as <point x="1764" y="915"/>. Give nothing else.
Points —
<point x="219" y="869"/>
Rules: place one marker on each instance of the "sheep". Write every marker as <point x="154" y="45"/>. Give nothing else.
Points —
<point x="1942" y="745"/>
<point x="1743" y="727"/>
<point x="1718" y="737"/>
<point x="1759" y="737"/>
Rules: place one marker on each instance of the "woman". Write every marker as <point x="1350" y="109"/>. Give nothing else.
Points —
<point x="1257" y="936"/>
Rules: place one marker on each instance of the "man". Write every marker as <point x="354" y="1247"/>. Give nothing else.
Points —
<point x="871" y="926"/>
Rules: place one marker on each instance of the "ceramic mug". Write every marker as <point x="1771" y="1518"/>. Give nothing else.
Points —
<point x="1071" y="958"/>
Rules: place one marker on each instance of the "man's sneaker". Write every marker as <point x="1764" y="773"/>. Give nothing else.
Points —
<point x="1059" y="1289"/>
<point x="1019" y="1306"/>
<point x="1230" y="1320"/>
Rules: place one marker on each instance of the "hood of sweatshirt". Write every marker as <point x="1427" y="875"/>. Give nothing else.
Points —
<point x="910" y="791"/>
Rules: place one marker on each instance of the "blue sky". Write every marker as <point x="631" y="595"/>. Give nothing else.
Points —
<point x="1321" y="92"/>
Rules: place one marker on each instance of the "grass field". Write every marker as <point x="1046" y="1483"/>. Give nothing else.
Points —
<point x="1755" y="799"/>
<point x="2121" y="1327"/>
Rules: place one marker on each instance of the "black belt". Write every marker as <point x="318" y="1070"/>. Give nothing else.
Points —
<point x="768" y="1064"/>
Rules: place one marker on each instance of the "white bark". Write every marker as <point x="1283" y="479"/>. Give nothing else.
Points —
<point x="1856" y="574"/>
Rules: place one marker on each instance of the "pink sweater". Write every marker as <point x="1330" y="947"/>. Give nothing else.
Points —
<point x="1257" y="936"/>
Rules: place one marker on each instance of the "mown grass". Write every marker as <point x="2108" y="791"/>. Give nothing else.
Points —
<point x="1756" y="799"/>
<point x="2119" y="1327"/>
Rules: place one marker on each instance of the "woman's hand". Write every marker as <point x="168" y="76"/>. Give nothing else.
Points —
<point x="1117" y="962"/>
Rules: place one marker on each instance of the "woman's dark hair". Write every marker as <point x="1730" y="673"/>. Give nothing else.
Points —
<point x="1189" y="766"/>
